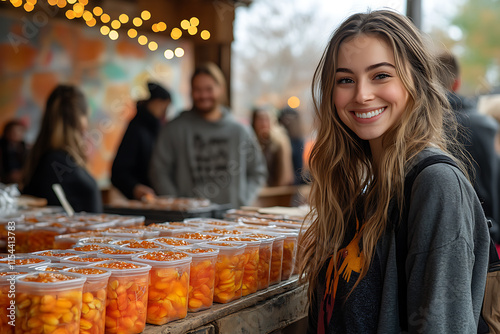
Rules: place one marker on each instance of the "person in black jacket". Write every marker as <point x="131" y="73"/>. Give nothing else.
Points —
<point x="478" y="137"/>
<point x="130" y="168"/>
<point x="58" y="155"/>
<point x="13" y="152"/>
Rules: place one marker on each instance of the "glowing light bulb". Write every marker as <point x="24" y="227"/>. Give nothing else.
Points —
<point x="162" y="26"/>
<point x="205" y="34"/>
<point x="97" y="11"/>
<point x="176" y="33"/>
<point x="137" y="21"/>
<point x="145" y="15"/>
<point x="169" y="54"/>
<point x="70" y="14"/>
<point x="87" y="16"/>
<point x="105" y="30"/>
<point x="113" y="35"/>
<point x="153" y="46"/>
<point x="92" y="22"/>
<point x="185" y="24"/>
<point x="132" y="33"/>
<point x="142" y="40"/>
<point x="105" y="18"/>
<point x="192" y="30"/>
<point x="294" y="102"/>
<point x="123" y="18"/>
<point x="179" y="52"/>
<point x="194" y="21"/>
<point x="115" y="24"/>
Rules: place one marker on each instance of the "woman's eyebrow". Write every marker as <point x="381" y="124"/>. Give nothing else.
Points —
<point x="369" y="68"/>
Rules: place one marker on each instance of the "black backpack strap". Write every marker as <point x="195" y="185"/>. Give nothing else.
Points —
<point x="402" y="231"/>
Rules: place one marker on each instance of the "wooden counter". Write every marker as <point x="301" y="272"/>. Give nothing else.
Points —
<point x="262" y="312"/>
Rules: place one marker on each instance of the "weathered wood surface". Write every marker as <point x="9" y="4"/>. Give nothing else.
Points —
<point x="282" y="309"/>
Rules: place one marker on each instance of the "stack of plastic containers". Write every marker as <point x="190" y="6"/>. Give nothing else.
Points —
<point x="289" y="250"/>
<point x="50" y="301"/>
<point x="276" y="254"/>
<point x="202" y="277"/>
<point x="7" y="290"/>
<point x="168" y="285"/>
<point x="127" y="296"/>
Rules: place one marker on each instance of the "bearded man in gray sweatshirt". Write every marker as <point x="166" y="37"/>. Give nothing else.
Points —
<point x="205" y="152"/>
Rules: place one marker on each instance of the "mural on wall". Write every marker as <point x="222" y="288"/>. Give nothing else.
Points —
<point x="112" y="74"/>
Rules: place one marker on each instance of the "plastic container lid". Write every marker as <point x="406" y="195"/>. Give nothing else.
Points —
<point x="166" y="258"/>
<point x="55" y="255"/>
<point x="23" y="261"/>
<point x="73" y="281"/>
<point x="116" y="252"/>
<point x="242" y="240"/>
<point x="202" y="222"/>
<point x="172" y="242"/>
<point x="87" y="272"/>
<point x="90" y="248"/>
<point x="53" y="267"/>
<point x="199" y="253"/>
<point x="128" y="268"/>
<point x="223" y="246"/>
<point x="89" y="259"/>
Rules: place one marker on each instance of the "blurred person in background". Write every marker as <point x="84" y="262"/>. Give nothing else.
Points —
<point x="205" y="152"/>
<point x="130" y="168"/>
<point x="13" y="152"/>
<point x="290" y="119"/>
<point x="58" y="155"/>
<point x="478" y="137"/>
<point x="276" y="148"/>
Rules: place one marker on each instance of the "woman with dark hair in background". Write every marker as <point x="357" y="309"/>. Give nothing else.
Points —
<point x="13" y="152"/>
<point x="58" y="155"/>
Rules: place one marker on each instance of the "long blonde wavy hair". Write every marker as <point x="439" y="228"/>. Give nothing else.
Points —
<point x="343" y="175"/>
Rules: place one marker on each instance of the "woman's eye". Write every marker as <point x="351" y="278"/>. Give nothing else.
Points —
<point x="344" y="81"/>
<point x="382" y="76"/>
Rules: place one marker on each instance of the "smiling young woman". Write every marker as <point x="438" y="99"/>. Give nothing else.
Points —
<point x="380" y="111"/>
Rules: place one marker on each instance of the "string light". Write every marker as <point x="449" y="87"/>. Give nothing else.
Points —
<point x="123" y="18"/>
<point x="97" y="11"/>
<point x="179" y="52"/>
<point x="294" y="102"/>
<point x="192" y="30"/>
<point x="137" y="21"/>
<point x="194" y="21"/>
<point x="105" y="30"/>
<point x="105" y="18"/>
<point x="33" y="2"/>
<point x="142" y="40"/>
<point x="84" y="2"/>
<point x="52" y="2"/>
<point x="87" y="16"/>
<point x="205" y="34"/>
<point x="162" y="26"/>
<point x="71" y="2"/>
<point x="155" y="27"/>
<point x="132" y="33"/>
<point x="28" y="7"/>
<point x="61" y="3"/>
<point x="70" y="14"/>
<point x="153" y="46"/>
<point x="115" y="24"/>
<point x="113" y="35"/>
<point x="176" y="33"/>
<point x="145" y="15"/>
<point x="185" y="24"/>
<point x="92" y="22"/>
<point x="78" y="9"/>
<point x="169" y="54"/>
<point x="16" y="3"/>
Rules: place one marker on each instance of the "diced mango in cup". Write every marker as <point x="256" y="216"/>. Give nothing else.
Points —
<point x="251" y="274"/>
<point x="264" y="268"/>
<point x="93" y="314"/>
<point x="201" y="282"/>
<point x="48" y="312"/>
<point x="126" y="302"/>
<point x="228" y="277"/>
<point x="168" y="295"/>
<point x="4" y="312"/>
<point x="276" y="262"/>
<point x="288" y="258"/>
<point x="41" y="239"/>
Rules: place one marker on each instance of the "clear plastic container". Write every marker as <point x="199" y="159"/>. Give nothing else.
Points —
<point x="22" y="238"/>
<point x="170" y="242"/>
<point x="127" y="298"/>
<point x="66" y="241"/>
<point x="222" y="231"/>
<point x="228" y="270"/>
<point x="97" y="240"/>
<point x="202" y="277"/>
<point x="208" y="223"/>
<point x="167" y="229"/>
<point x="168" y="285"/>
<point x="84" y="259"/>
<point x="92" y="319"/>
<point x="42" y="235"/>
<point x="55" y="255"/>
<point x="289" y="251"/>
<point x="269" y="261"/>
<point x="195" y="237"/>
<point x="118" y="253"/>
<point x="90" y="248"/>
<point x="53" y="267"/>
<point x="250" y="282"/>
<point x="7" y="290"/>
<point x="49" y="300"/>
<point x="124" y="233"/>
<point x="144" y="245"/>
<point x="23" y="261"/>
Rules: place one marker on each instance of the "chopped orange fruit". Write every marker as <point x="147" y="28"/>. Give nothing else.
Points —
<point x="201" y="282"/>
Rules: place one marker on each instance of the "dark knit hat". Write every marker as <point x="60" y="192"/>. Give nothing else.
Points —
<point x="156" y="91"/>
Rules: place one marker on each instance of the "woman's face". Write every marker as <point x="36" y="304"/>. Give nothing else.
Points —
<point x="206" y="93"/>
<point x="368" y="94"/>
<point x="84" y="122"/>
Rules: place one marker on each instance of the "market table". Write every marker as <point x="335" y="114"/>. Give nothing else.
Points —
<point x="262" y="312"/>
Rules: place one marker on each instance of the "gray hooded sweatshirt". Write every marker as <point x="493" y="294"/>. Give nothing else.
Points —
<point x="220" y="160"/>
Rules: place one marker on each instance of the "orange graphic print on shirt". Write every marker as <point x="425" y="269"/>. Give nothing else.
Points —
<point x="350" y="259"/>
